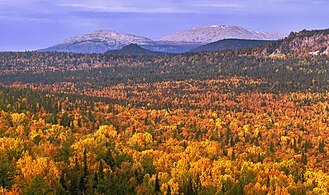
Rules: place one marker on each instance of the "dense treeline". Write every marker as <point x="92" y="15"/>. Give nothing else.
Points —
<point x="280" y="74"/>
<point x="40" y="62"/>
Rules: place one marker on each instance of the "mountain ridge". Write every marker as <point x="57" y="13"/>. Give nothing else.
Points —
<point x="101" y="41"/>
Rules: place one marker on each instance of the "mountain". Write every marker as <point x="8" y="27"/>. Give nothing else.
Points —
<point x="98" y="42"/>
<point x="208" y="34"/>
<point x="103" y="40"/>
<point x="133" y="49"/>
<point x="231" y="44"/>
<point x="314" y="42"/>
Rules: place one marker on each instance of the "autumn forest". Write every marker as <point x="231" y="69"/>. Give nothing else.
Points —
<point x="229" y="122"/>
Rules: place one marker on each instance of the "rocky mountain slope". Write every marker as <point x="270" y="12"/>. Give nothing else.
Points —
<point x="315" y="42"/>
<point x="231" y="44"/>
<point x="208" y="34"/>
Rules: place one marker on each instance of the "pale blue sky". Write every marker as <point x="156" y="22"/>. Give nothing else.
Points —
<point x="35" y="24"/>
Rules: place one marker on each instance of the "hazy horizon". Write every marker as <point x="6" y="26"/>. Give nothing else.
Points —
<point x="36" y="24"/>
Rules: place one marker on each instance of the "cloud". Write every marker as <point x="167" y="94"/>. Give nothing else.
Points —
<point x="122" y="9"/>
<point x="217" y="5"/>
<point x="149" y="6"/>
<point x="26" y="19"/>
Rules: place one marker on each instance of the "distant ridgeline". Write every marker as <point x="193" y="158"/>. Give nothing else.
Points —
<point x="231" y="44"/>
<point x="315" y="42"/>
<point x="133" y="49"/>
<point x="101" y="41"/>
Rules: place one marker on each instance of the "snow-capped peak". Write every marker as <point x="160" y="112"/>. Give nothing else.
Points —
<point x="108" y="36"/>
<point x="212" y="33"/>
<point x="99" y="41"/>
<point x="217" y="26"/>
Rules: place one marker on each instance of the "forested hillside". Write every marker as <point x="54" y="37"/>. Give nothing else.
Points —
<point x="231" y="44"/>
